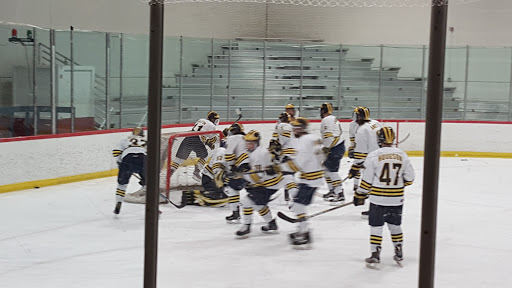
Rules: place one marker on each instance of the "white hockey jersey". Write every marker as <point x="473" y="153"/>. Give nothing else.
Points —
<point x="288" y="146"/>
<point x="352" y="128"/>
<point x="206" y="125"/>
<point x="259" y="160"/>
<point x="133" y="144"/>
<point x="331" y="131"/>
<point x="216" y="163"/>
<point x="366" y="140"/>
<point x="236" y="152"/>
<point x="387" y="171"/>
<point x="309" y="159"/>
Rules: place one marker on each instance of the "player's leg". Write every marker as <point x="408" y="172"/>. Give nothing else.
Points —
<point x="232" y="189"/>
<point x="301" y="200"/>
<point x="199" y="147"/>
<point x="394" y="220"/>
<point x="183" y="152"/>
<point x="248" y="208"/>
<point x="123" y="177"/>
<point x="376" y="222"/>
<point x="333" y="166"/>
<point x="261" y="197"/>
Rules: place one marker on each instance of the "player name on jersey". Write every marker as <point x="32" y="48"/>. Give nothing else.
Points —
<point x="390" y="156"/>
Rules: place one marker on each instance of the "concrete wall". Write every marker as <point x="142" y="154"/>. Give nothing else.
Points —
<point x="48" y="158"/>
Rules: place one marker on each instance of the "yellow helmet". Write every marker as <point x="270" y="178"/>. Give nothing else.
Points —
<point x="253" y="136"/>
<point x="236" y="128"/>
<point x="300" y="122"/>
<point x="289" y="106"/>
<point x="326" y="108"/>
<point x="363" y="112"/>
<point x="213" y="117"/>
<point x="386" y="135"/>
<point x="284" y="117"/>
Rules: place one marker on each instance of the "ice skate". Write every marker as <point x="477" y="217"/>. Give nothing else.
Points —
<point x="118" y="208"/>
<point x="365" y="214"/>
<point x="398" y="257"/>
<point x="196" y="175"/>
<point x="373" y="261"/>
<point x="244" y="231"/>
<point x="233" y="218"/>
<point x="300" y="240"/>
<point x="337" y="199"/>
<point x="330" y="195"/>
<point x="270" y="228"/>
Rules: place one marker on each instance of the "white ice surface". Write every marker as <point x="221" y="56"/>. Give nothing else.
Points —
<point x="67" y="236"/>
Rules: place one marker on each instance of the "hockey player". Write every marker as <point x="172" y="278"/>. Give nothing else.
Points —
<point x="387" y="171"/>
<point x="237" y="160"/>
<point x="290" y="109"/>
<point x="283" y="151"/>
<point x="365" y="138"/>
<point x="212" y="181"/>
<point x="334" y="148"/>
<point x="352" y="132"/>
<point x="308" y="160"/>
<point x="131" y="155"/>
<point x="263" y="181"/>
<point x="197" y="144"/>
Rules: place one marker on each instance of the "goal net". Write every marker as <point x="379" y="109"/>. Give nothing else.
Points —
<point x="182" y="179"/>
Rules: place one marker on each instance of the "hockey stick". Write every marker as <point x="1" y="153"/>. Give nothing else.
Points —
<point x="295" y="220"/>
<point x="173" y="204"/>
<point x="405" y="138"/>
<point x="239" y="113"/>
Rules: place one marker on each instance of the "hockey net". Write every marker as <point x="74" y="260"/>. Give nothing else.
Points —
<point x="182" y="179"/>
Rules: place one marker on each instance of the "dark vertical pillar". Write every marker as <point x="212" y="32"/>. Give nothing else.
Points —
<point x="154" y="124"/>
<point x="432" y="144"/>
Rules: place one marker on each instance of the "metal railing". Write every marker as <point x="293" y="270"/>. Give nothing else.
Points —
<point x="262" y="76"/>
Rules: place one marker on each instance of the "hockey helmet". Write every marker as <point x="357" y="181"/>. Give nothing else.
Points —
<point x="225" y="132"/>
<point x="289" y="106"/>
<point x="213" y="117"/>
<point x="362" y="112"/>
<point x="386" y="135"/>
<point x="326" y="108"/>
<point x="284" y="117"/>
<point x="138" y="131"/>
<point x="252" y="140"/>
<point x="236" y="128"/>
<point x="300" y="123"/>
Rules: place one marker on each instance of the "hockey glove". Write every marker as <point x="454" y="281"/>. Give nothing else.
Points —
<point x="351" y="152"/>
<point x="354" y="170"/>
<point x="359" y="198"/>
<point x="219" y="179"/>
<point x="272" y="169"/>
<point x="274" y="147"/>
<point x="326" y="150"/>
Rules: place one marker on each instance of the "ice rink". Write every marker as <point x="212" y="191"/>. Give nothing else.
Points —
<point x="67" y="236"/>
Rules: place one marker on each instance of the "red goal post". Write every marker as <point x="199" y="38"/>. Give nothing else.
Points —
<point x="175" y="139"/>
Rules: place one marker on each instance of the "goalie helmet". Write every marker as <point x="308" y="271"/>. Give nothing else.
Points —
<point x="386" y="135"/>
<point x="138" y="131"/>
<point x="213" y="117"/>
<point x="236" y="128"/>
<point x="362" y="112"/>
<point x="326" y="108"/>
<point x="284" y="117"/>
